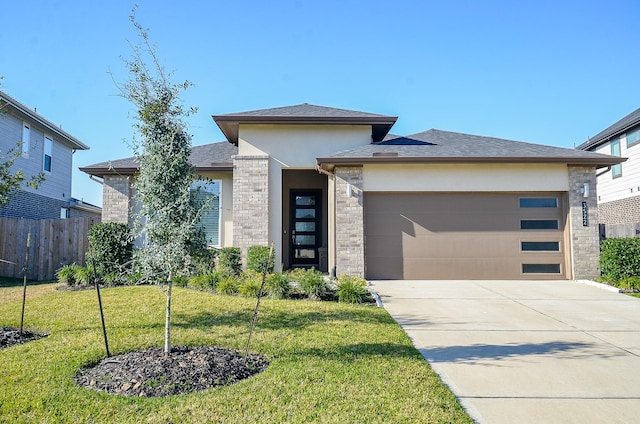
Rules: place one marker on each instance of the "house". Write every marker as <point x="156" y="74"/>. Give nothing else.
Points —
<point x="619" y="184"/>
<point x="333" y="189"/>
<point x="47" y="149"/>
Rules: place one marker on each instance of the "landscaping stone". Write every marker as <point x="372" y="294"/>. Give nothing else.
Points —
<point x="152" y="373"/>
<point x="11" y="336"/>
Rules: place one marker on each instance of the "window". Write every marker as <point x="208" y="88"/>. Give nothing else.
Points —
<point x="538" y="202"/>
<point x="48" y="152"/>
<point x="541" y="268"/>
<point x="540" y="246"/>
<point x="616" y="170"/>
<point x="26" y="138"/>
<point x="539" y="224"/>
<point x="633" y="137"/>
<point x="207" y="195"/>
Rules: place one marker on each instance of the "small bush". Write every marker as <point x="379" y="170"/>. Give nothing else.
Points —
<point x="112" y="246"/>
<point x="277" y="286"/>
<point x="67" y="274"/>
<point x="620" y="258"/>
<point x="249" y="287"/>
<point x="180" y="280"/>
<point x="206" y="281"/>
<point x="229" y="285"/>
<point x="352" y="289"/>
<point x="258" y="257"/>
<point x="204" y="261"/>
<point x="84" y="276"/>
<point x="229" y="260"/>
<point x="311" y="282"/>
<point x="629" y="283"/>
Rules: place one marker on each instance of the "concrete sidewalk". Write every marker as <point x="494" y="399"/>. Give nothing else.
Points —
<point x="526" y="351"/>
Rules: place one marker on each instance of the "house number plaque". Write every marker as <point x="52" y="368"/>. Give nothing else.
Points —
<point x="585" y="214"/>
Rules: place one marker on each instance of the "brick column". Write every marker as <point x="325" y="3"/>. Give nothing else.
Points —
<point x="116" y="199"/>
<point x="585" y="243"/>
<point x="349" y="221"/>
<point x="250" y="201"/>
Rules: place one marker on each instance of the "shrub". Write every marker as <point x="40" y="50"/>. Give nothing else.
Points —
<point x="311" y="282"/>
<point x="620" y="258"/>
<point x="258" y="257"/>
<point x="629" y="283"/>
<point x="250" y="287"/>
<point x="206" y="281"/>
<point x="112" y="246"/>
<point x="352" y="289"/>
<point x="204" y="261"/>
<point x="229" y="260"/>
<point x="229" y="285"/>
<point x="277" y="286"/>
<point x="67" y="274"/>
<point x="84" y="276"/>
<point x="180" y="280"/>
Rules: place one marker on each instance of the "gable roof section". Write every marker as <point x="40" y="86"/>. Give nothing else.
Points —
<point x="23" y="112"/>
<point x="623" y="125"/>
<point x="436" y="146"/>
<point x="304" y="113"/>
<point x="214" y="157"/>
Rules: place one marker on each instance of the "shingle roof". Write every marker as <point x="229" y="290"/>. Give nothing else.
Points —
<point x="624" y="124"/>
<point x="451" y="147"/>
<point x="25" y="112"/>
<point x="208" y="157"/>
<point x="304" y="114"/>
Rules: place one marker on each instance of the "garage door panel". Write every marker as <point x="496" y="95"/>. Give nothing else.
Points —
<point x="462" y="236"/>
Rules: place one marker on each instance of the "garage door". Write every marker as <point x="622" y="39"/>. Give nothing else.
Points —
<point x="464" y="235"/>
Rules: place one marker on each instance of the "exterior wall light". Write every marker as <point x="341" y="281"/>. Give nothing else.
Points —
<point x="349" y="190"/>
<point x="585" y="190"/>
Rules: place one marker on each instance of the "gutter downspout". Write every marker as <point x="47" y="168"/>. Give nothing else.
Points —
<point x="333" y="229"/>
<point x="94" y="178"/>
<point x="603" y="172"/>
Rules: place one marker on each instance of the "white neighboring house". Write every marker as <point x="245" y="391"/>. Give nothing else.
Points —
<point x="46" y="148"/>
<point x="619" y="185"/>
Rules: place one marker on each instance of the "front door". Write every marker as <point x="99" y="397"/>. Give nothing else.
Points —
<point x="305" y="227"/>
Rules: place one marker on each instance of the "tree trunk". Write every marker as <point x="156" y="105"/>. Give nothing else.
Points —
<point x="167" y="323"/>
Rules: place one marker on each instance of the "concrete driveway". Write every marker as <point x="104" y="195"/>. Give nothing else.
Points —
<point x="526" y="351"/>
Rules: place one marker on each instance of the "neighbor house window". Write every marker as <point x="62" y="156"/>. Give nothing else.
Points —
<point x="48" y="152"/>
<point x="633" y="137"/>
<point x="207" y="196"/>
<point x="26" y="137"/>
<point x="616" y="170"/>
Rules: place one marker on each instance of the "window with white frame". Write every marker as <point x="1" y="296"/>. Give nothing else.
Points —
<point x="207" y="196"/>
<point x="48" y="154"/>
<point x="26" y="137"/>
<point x="633" y="137"/>
<point x="616" y="170"/>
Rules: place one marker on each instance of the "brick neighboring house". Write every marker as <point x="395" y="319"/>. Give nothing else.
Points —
<point x="619" y="184"/>
<point x="334" y="190"/>
<point x="45" y="148"/>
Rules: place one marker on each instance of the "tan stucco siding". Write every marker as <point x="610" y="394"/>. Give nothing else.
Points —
<point x="466" y="177"/>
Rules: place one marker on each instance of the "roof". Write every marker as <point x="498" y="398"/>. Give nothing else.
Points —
<point x="436" y="146"/>
<point x="214" y="157"/>
<point x="26" y="113"/>
<point x="623" y="125"/>
<point x="304" y="114"/>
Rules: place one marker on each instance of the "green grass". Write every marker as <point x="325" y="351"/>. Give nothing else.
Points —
<point x="329" y="362"/>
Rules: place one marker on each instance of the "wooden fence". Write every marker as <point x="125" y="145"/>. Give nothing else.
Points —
<point x="54" y="243"/>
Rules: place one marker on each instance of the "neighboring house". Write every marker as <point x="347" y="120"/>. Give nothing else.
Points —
<point x="46" y="148"/>
<point x="619" y="184"/>
<point x="334" y="190"/>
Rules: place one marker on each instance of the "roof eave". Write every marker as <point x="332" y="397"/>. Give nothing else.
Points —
<point x="101" y="171"/>
<point x="330" y="162"/>
<point x="230" y="124"/>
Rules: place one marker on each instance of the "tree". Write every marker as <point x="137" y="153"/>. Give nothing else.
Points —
<point x="168" y="216"/>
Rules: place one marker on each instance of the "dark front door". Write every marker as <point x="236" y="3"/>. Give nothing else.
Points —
<point x="305" y="227"/>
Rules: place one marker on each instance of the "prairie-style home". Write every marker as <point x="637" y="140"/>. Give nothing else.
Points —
<point x="334" y="189"/>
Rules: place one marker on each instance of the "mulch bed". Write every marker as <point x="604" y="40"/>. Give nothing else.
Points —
<point x="151" y="373"/>
<point x="10" y="336"/>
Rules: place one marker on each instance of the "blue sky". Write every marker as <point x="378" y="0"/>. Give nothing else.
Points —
<point x="548" y="72"/>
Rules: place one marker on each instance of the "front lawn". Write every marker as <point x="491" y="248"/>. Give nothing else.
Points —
<point x="329" y="362"/>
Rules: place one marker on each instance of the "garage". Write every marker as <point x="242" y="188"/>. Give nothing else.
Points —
<point x="475" y="235"/>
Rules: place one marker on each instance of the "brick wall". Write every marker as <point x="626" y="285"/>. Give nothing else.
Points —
<point x="116" y="199"/>
<point x="584" y="239"/>
<point x="624" y="211"/>
<point x="349" y="221"/>
<point x="28" y="205"/>
<point x="250" y="201"/>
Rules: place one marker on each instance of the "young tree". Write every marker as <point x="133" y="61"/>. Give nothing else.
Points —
<point x="167" y="217"/>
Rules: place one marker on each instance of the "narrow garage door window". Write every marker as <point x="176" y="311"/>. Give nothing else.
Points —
<point x="541" y="268"/>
